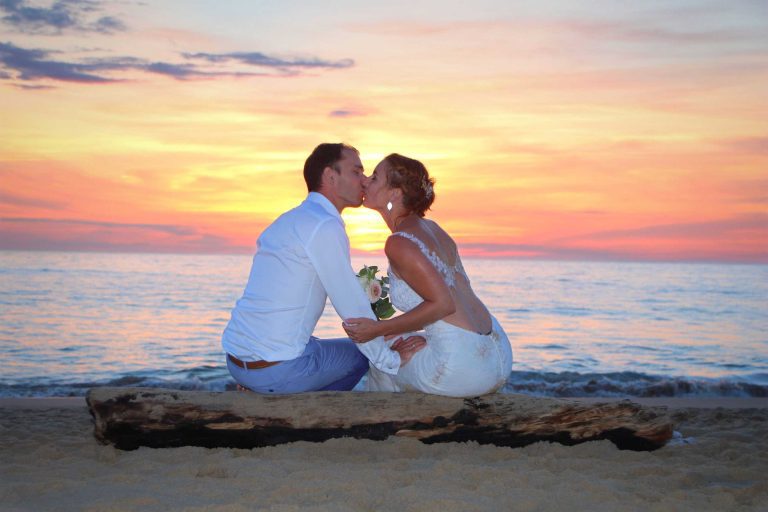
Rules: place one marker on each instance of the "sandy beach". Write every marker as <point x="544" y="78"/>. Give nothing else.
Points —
<point x="50" y="461"/>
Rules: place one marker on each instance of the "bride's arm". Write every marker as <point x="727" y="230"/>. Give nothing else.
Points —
<point x="416" y="270"/>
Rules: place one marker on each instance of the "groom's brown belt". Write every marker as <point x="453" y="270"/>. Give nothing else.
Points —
<point x="251" y="365"/>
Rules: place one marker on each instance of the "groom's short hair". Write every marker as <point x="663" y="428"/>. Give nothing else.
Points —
<point x="324" y="155"/>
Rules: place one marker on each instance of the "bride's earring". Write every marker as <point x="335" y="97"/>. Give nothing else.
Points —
<point x="389" y="206"/>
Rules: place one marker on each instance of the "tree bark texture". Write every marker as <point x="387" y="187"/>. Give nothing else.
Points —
<point x="132" y="417"/>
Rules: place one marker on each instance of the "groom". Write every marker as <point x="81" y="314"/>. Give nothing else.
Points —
<point x="301" y="259"/>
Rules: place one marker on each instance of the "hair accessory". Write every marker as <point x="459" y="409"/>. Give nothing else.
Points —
<point x="389" y="206"/>
<point x="426" y="186"/>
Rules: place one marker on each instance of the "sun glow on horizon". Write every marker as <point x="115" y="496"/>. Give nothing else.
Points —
<point x="366" y="229"/>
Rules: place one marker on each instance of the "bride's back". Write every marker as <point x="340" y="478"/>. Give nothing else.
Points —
<point x="471" y="314"/>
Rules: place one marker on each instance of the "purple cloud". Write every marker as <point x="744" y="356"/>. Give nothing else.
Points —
<point x="17" y="200"/>
<point x="37" y="64"/>
<point x="47" y="234"/>
<point x="165" y="228"/>
<point x="262" y="60"/>
<point x="61" y="15"/>
<point x="710" y="229"/>
<point x="34" y="64"/>
<point x="346" y="113"/>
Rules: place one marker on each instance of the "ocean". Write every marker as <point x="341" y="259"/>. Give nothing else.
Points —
<point x="71" y="321"/>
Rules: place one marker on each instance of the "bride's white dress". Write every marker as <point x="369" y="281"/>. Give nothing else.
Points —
<point x="456" y="361"/>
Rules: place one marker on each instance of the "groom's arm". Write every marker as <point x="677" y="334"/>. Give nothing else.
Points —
<point x="328" y="249"/>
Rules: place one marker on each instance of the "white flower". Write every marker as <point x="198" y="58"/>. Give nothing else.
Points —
<point x="372" y="288"/>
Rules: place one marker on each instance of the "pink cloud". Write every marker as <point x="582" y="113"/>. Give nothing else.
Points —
<point x="86" y="235"/>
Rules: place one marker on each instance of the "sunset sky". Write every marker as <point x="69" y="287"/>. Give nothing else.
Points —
<point x="600" y="130"/>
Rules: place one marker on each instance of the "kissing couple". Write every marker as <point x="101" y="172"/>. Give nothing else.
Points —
<point x="445" y="342"/>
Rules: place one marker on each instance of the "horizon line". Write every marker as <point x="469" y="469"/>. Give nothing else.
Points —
<point x="360" y="254"/>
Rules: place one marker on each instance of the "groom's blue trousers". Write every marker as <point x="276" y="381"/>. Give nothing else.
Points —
<point x="325" y="365"/>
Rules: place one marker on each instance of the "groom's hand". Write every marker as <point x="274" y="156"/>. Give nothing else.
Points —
<point x="407" y="347"/>
<point x="361" y="330"/>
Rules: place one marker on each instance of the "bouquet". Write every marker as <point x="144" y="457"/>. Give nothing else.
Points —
<point x="376" y="289"/>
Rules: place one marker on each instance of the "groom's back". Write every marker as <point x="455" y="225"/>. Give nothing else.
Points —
<point x="283" y="298"/>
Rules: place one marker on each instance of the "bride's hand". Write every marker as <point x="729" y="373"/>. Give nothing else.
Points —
<point x="361" y="330"/>
<point x="406" y="347"/>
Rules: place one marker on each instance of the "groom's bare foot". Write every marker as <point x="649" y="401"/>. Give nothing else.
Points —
<point x="243" y="388"/>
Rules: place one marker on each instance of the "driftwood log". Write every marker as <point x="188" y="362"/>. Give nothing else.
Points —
<point x="132" y="417"/>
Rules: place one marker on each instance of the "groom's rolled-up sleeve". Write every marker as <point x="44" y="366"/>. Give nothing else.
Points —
<point x="328" y="249"/>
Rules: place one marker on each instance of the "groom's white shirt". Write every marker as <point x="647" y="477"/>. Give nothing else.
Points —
<point x="301" y="259"/>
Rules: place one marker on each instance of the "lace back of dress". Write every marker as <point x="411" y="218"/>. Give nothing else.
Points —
<point x="447" y="271"/>
<point x="470" y="314"/>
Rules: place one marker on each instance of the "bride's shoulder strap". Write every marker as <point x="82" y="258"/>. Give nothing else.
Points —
<point x="430" y="255"/>
<point x="413" y="238"/>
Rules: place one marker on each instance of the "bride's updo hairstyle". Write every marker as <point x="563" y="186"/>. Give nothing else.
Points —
<point x="412" y="178"/>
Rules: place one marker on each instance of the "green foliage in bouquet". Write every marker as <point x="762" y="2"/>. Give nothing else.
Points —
<point x="377" y="290"/>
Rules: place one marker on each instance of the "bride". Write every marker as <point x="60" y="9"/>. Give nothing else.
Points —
<point x="467" y="352"/>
